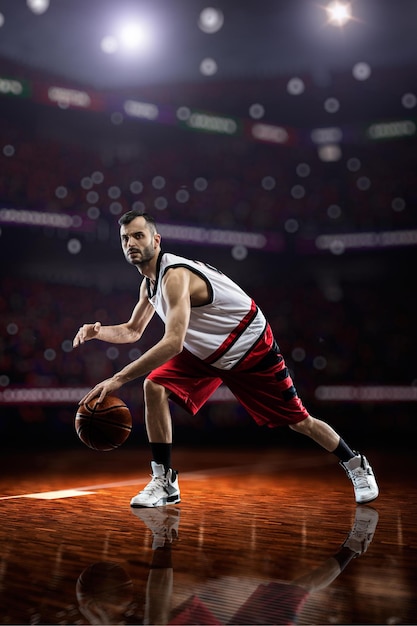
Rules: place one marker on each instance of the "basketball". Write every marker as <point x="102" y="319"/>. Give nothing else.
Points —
<point x="103" y="426"/>
<point x="105" y="585"/>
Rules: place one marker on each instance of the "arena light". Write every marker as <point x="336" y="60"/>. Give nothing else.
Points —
<point x="38" y="6"/>
<point x="210" y="20"/>
<point x="134" y="36"/>
<point x="361" y="71"/>
<point x="208" y="67"/>
<point x="14" y="87"/>
<point x="366" y="393"/>
<point x="269" y="132"/>
<point x="339" y="13"/>
<point x="109" y="44"/>
<point x="212" y="123"/>
<point x="35" y="218"/>
<point x="338" y="243"/>
<point x="392" y="130"/>
<point x="144" y="110"/>
<point x="69" y="97"/>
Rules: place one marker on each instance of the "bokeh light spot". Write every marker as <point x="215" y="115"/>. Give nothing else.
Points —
<point x="210" y="20"/>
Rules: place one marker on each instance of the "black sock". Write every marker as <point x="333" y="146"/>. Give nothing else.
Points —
<point x="161" y="454"/>
<point x="162" y="557"/>
<point x="344" y="557"/>
<point x="343" y="452"/>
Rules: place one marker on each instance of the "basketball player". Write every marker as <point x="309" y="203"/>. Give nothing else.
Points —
<point x="214" y="333"/>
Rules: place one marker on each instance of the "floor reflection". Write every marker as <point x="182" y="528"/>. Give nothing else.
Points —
<point x="173" y="578"/>
<point x="219" y="601"/>
<point x="294" y="553"/>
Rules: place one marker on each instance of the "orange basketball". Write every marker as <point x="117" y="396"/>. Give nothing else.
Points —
<point x="103" y="426"/>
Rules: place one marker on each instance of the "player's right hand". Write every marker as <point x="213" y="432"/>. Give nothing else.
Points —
<point x="86" y="332"/>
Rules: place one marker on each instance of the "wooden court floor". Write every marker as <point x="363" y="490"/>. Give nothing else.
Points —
<point x="260" y="537"/>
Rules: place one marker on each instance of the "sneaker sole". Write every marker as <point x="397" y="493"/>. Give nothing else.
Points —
<point x="170" y="500"/>
<point x="367" y="501"/>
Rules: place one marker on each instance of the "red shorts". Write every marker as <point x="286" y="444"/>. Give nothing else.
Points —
<point x="272" y="603"/>
<point x="265" y="390"/>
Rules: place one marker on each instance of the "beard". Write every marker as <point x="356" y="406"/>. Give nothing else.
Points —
<point x="142" y="257"/>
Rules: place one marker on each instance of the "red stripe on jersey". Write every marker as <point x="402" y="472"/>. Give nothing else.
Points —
<point x="258" y="351"/>
<point x="234" y="335"/>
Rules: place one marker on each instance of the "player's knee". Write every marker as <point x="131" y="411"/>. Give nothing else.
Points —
<point x="305" y="426"/>
<point x="153" y="391"/>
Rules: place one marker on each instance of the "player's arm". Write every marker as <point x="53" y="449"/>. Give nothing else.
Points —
<point x="176" y="288"/>
<point x="127" y="332"/>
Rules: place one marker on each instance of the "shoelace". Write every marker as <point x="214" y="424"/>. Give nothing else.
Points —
<point x="156" y="483"/>
<point x="362" y="533"/>
<point x="360" y="478"/>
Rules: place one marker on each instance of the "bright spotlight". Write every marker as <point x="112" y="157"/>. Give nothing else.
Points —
<point x="38" y="6"/>
<point x="135" y="36"/>
<point x="339" y="12"/>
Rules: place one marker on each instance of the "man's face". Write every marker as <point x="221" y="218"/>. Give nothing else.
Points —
<point x="139" y="243"/>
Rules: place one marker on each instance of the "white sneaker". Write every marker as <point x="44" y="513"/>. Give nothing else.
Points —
<point x="162" y="521"/>
<point x="360" y="473"/>
<point x="363" y="530"/>
<point x="161" y="490"/>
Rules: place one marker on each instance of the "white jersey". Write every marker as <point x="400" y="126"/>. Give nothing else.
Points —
<point x="224" y="331"/>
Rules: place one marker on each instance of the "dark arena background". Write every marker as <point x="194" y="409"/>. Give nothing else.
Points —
<point x="277" y="141"/>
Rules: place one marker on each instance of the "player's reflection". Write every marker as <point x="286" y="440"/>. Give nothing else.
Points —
<point x="275" y="602"/>
<point x="272" y="603"/>
<point x="105" y="591"/>
<point x="164" y="523"/>
<point x="280" y="603"/>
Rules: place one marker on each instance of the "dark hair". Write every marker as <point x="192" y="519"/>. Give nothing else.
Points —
<point x="128" y="217"/>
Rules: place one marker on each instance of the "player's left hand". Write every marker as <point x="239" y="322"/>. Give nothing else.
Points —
<point x="101" y="390"/>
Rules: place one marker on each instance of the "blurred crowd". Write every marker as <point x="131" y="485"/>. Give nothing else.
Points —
<point x="195" y="178"/>
<point x="351" y="341"/>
